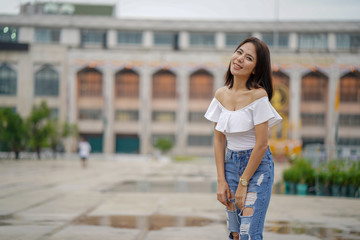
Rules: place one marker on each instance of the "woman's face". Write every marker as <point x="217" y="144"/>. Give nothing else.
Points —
<point x="243" y="61"/>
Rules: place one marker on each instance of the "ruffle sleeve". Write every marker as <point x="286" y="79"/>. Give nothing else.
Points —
<point x="244" y="119"/>
<point x="263" y="111"/>
<point x="214" y="111"/>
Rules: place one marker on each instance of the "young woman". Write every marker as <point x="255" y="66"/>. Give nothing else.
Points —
<point x="243" y="114"/>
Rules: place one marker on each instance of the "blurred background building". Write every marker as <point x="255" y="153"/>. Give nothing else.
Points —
<point x="128" y="82"/>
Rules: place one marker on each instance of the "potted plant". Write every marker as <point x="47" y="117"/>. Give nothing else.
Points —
<point x="323" y="183"/>
<point x="163" y="145"/>
<point x="311" y="181"/>
<point x="357" y="181"/>
<point x="305" y="174"/>
<point x="335" y="181"/>
<point x="294" y="180"/>
<point x="344" y="182"/>
<point x="353" y="175"/>
<point x="287" y="179"/>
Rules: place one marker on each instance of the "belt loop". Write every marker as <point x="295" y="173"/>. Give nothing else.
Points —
<point x="228" y="153"/>
<point x="231" y="153"/>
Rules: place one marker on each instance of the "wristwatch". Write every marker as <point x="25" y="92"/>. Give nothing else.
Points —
<point x="244" y="182"/>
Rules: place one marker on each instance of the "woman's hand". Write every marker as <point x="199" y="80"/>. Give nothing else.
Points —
<point x="240" y="196"/>
<point x="223" y="193"/>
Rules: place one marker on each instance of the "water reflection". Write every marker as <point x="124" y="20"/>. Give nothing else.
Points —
<point x="312" y="229"/>
<point x="152" y="222"/>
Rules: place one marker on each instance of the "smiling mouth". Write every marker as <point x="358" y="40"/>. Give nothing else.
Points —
<point x="237" y="66"/>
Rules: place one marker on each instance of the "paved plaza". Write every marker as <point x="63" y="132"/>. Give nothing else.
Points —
<point x="137" y="198"/>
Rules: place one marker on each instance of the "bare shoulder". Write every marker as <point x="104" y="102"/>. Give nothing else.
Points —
<point x="220" y="93"/>
<point x="259" y="93"/>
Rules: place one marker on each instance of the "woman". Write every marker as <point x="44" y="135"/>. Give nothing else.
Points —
<point x="243" y="114"/>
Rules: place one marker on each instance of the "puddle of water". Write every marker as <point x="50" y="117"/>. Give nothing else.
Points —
<point x="284" y="227"/>
<point x="4" y="224"/>
<point x="157" y="222"/>
<point x="152" y="222"/>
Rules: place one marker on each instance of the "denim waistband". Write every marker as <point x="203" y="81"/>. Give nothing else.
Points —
<point x="242" y="152"/>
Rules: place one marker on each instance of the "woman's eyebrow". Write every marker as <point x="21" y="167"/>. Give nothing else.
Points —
<point x="246" y="53"/>
<point x="251" y="55"/>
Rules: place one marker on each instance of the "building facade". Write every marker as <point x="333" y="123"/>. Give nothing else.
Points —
<point x="127" y="83"/>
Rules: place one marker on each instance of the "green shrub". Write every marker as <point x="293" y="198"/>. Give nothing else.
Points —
<point x="287" y="175"/>
<point x="304" y="171"/>
<point x="337" y="172"/>
<point x="163" y="144"/>
<point x="323" y="177"/>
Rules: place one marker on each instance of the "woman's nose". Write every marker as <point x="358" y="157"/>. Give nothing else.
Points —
<point x="241" y="58"/>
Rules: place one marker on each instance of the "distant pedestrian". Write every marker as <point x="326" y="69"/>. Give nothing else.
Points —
<point x="243" y="114"/>
<point x="84" y="151"/>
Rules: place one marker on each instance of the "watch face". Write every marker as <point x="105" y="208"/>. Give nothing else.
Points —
<point x="243" y="182"/>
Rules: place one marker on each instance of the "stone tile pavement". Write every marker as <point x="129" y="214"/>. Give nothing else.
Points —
<point x="138" y="199"/>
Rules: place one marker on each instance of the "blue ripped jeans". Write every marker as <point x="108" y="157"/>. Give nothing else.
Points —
<point x="258" y="193"/>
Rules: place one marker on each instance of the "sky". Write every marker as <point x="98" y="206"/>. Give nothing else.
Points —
<point x="247" y="10"/>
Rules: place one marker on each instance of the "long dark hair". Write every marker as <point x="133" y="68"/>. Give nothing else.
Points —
<point x="262" y="77"/>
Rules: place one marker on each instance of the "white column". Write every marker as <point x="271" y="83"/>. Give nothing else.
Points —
<point x="72" y="109"/>
<point x="26" y="35"/>
<point x="257" y="35"/>
<point x="108" y="114"/>
<point x="295" y="104"/>
<point x="219" y="80"/>
<point x="70" y="37"/>
<point x="145" y="109"/>
<point x="293" y="41"/>
<point x="220" y="40"/>
<point x="25" y="85"/>
<point x="331" y="41"/>
<point x="111" y="39"/>
<point x="182" y="113"/>
<point x="63" y="94"/>
<point x="332" y="113"/>
<point x="148" y="39"/>
<point x="183" y="40"/>
<point x="72" y="92"/>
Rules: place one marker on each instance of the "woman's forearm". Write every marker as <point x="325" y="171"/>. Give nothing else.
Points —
<point x="219" y="151"/>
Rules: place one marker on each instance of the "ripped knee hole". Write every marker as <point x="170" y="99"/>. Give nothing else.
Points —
<point x="247" y="212"/>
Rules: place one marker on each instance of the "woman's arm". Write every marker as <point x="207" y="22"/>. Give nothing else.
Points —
<point x="223" y="191"/>
<point x="261" y="144"/>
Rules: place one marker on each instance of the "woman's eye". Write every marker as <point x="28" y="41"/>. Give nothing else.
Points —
<point x="249" y="58"/>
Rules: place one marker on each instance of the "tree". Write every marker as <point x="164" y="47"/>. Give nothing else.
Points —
<point x="39" y="127"/>
<point x="13" y="132"/>
<point x="59" y="131"/>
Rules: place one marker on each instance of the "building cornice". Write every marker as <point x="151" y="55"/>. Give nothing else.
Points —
<point x="100" y="22"/>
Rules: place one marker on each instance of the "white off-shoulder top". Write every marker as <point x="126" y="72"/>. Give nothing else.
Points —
<point x="239" y="125"/>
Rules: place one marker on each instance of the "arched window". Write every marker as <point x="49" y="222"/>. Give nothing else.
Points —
<point x="127" y="84"/>
<point x="314" y="87"/>
<point x="280" y="98"/>
<point x="350" y="87"/>
<point x="164" y="84"/>
<point x="46" y="82"/>
<point x="201" y="85"/>
<point x="8" y="79"/>
<point x="90" y="82"/>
